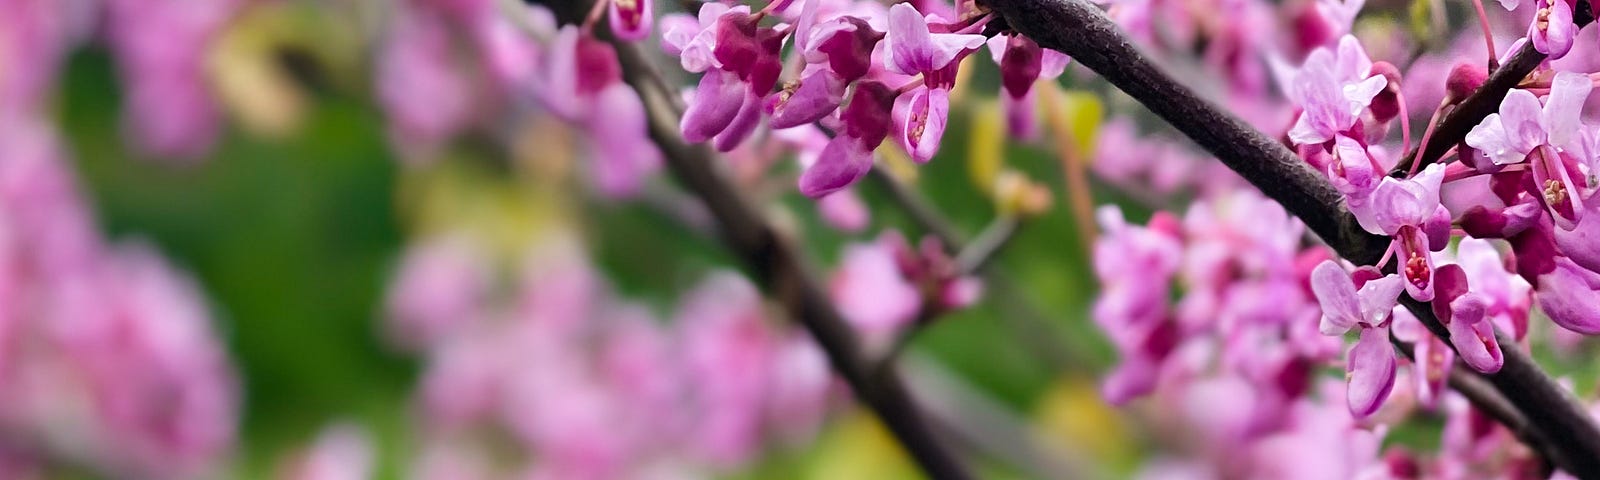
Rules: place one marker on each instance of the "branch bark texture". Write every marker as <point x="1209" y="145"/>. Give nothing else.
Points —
<point x="1083" y="31"/>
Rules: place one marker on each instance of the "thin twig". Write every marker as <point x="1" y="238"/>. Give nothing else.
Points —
<point x="923" y="213"/>
<point x="1033" y="326"/>
<point x="1081" y="30"/>
<point x="974" y="256"/>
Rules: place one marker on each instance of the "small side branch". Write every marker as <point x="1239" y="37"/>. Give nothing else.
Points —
<point x="1482" y="102"/>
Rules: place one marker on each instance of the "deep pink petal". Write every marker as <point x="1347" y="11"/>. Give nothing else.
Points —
<point x="1492" y="138"/>
<point x="818" y="95"/>
<point x="716" y="102"/>
<point x="1473" y="335"/>
<point x="1397" y="203"/>
<point x="1416" y="263"/>
<point x="1582" y="242"/>
<point x="1556" y="188"/>
<point x="913" y="50"/>
<point x="841" y="163"/>
<point x="1521" y="116"/>
<point x="1378" y="297"/>
<point x="1568" y="299"/>
<point x="925" y="119"/>
<point x="742" y="126"/>
<point x="1552" y="31"/>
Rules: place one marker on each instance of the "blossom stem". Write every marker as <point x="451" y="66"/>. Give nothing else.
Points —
<point x="1405" y="121"/>
<point x="1488" y="35"/>
<point x="1388" y="253"/>
<point x="976" y="25"/>
<point x="1074" y="168"/>
<point x="595" y="12"/>
<point x="1433" y="122"/>
<point x="909" y="86"/>
<point x="989" y="242"/>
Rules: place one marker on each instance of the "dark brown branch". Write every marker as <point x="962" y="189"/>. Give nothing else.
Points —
<point x="1486" y="399"/>
<point x="779" y="266"/>
<point x="1081" y="30"/>
<point x="1486" y="100"/>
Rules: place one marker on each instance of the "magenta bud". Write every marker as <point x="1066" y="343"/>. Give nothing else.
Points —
<point x="1464" y="79"/>
<point x="1386" y="105"/>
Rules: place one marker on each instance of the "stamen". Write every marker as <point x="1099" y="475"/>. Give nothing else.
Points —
<point x="1417" y="270"/>
<point x="919" y="123"/>
<point x="1555" y="192"/>
<point x="784" y="94"/>
<point x="630" y="11"/>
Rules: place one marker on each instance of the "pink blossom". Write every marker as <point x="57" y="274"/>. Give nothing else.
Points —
<point x="1333" y="89"/>
<point x="439" y="286"/>
<point x="631" y="19"/>
<point x="1523" y="130"/>
<point x="161" y="52"/>
<point x="1407" y="210"/>
<point x="425" y="97"/>
<point x="913" y="50"/>
<point x="341" y="452"/>
<point x="871" y="291"/>
<point x="1371" y="363"/>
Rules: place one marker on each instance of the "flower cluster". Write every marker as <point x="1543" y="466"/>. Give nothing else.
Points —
<point x="1234" y="361"/>
<point x="883" y="287"/>
<point x="550" y="365"/>
<point x="425" y="85"/>
<point x="1244" y="308"/>
<point x="1521" y="179"/>
<point x="106" y="351"/>
<point x="865" y="73"/>
<point x="161" y="48"/>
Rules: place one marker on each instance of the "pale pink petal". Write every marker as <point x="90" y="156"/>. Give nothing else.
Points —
<point x="1371" y="372"/>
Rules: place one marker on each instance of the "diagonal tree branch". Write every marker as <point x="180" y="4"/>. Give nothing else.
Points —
<point x="1081" y="30"/>
<point x="1486" y="399"/>
<point x="779" y="266"/>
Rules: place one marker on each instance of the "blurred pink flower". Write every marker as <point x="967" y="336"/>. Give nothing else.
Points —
<point x="342" y="451"/>
<point x="439" y="286"/>
<point x="161" y="48"/>
<point x="425" y="96"/>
